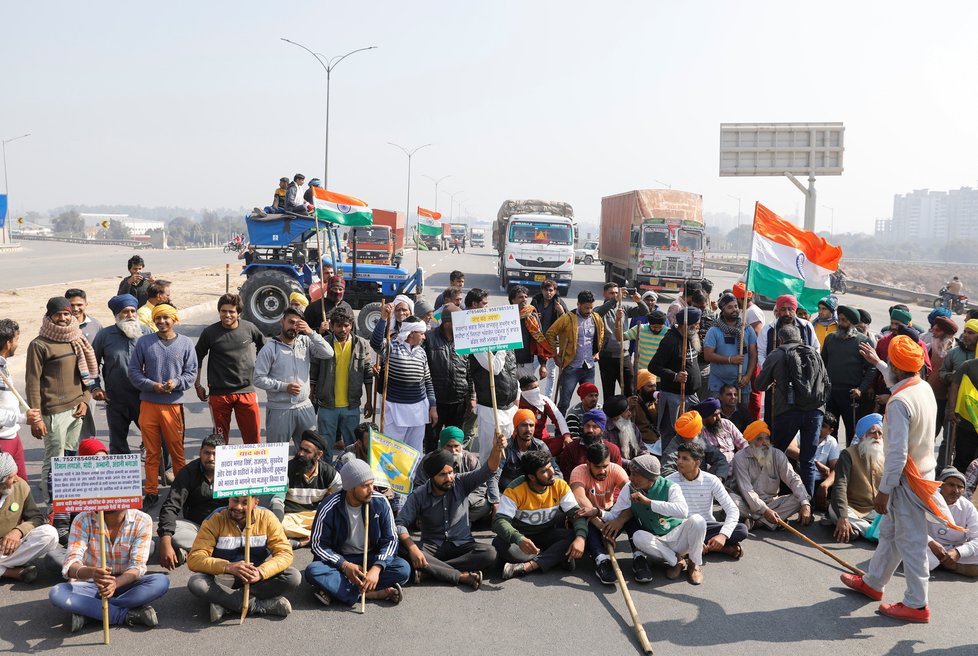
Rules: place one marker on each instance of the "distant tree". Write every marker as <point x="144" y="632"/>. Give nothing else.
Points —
<point x="961" y="250"/>
<point x="739" y="239"/>
<point x="69" y="224"/>
<point x="118" y="230"/>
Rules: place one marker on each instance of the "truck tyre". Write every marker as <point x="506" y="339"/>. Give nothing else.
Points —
<point x="588" y="259"/>
<point x="265" y="296"/>
<point x="368" y="318"/>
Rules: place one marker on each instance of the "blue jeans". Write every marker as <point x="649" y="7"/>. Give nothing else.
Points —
<point x="807" y="423"/>
<point x="82" y="598"/>
<point x="570" y="378"/>
<point x="337" y="586"/>
<point x="337" y="422"/>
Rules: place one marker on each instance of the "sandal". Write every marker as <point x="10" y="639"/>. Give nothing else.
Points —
<point x="395" y="594"/>
<point x="476" y="581"/>
<point x="735" y="551"/>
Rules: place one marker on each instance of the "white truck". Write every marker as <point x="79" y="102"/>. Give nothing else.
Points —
<point x="535" y="241"/>
<point x="477" y="237"/>
<point x="587" y="253"/>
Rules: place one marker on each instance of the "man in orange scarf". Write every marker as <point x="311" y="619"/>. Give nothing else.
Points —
<point x="906" y="492"/>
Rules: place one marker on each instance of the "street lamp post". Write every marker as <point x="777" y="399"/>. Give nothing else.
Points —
<point x="328" y="65"/>
<point x="664" y="183"/>
<point x="6" y="184"/>
<point x="451" y="204"/>
<point x="737" y="198"/>
<point x="436" y="187"/>
<point x="407" y="209"/>
<point x="832" y="224"/>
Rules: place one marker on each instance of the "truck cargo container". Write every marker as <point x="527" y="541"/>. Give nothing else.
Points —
<point x="382" y="241"/>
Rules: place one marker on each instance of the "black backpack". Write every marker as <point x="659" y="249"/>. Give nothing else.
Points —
<point x="807" y="381"/>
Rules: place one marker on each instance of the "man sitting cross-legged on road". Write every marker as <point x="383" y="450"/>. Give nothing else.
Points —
<point x="667" y="533"/>
<point x="950" y="549"/>
<point x="191" y="495"/>
<point x="338" y="538"/>
<point x="530" y="523"/>
<point x="23" y="534"/>
<point x="451" y="439"/>
<point x="858" y="473"/>
<point x="596" y="484"/>
<point x="311" y="479"/>
<point x="701" y="489"/>
<point x="758" y="473"/>
<point x="220" y="549"/>
<point x="447" y="551"/>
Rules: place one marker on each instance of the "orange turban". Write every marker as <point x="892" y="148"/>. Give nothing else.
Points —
<point x="689" y="424"/>
<point x="754" y="429"/>
<point x="523" y="415"/>
<point x="905" y="354"/>
<point x="739" y="289"/>
<point x="645" y="377"/>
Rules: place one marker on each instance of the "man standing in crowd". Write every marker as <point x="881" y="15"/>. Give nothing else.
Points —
<point x="24" y="536"/>
<point x="113" y="347"/>
<point x="456" y="282"/>
<point x="678" y="372"/>
<point x="89" y="327"/>
<point x="11" y="414"/>
<point x="136" y="283"/>
<point x="158" y="292"/>
<point x="232" y="344"/>
<point x="615" y="315"/>
<point x="851" y="376"/>
<point x="786" y="314"/>
<point x="61" y="367"/>
<point x="190" y="501"/>
<point x="449" y="376"/>
<point x="507" y="396"/>
<point x="282" y="370"/>
<point x="162" y="367"/>
<point x="731" y="350"/>
<point x="549" y="307"/>
<point x="447" y="550"/>
<point x="341" y="382"/>
<point x="220" y="549"/>
<point x="905" y="492"/>
<point x="826" y="322"/>
<point x="576" y="338"/>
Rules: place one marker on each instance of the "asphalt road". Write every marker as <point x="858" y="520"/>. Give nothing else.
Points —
<point x="782" y="597"/>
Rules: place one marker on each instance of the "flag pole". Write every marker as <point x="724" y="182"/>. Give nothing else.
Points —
<point x="247" y="559"/>
<point x="387" y="368"/>
<point x="366" y="536"/>
<point x="102" y="529"/>
<point x="492" y="394"/>
<point x="743" y="314"/>
<point x="682" y="368"/>
<point x="322" y="283"/>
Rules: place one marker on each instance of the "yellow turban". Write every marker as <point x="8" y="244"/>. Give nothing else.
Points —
<point x="689" y="424"/>
<point x="165" y="309"/>
<point x="645" y="377"/>
<point x="972" y="325"/>
<point x="754" y="429"/>
<point x="905" y="354"/>
<point x="296" y="297"/>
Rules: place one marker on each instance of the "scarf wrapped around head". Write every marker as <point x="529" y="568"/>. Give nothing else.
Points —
<point x="540" y="346"/>
<point x="72" y="334"/>
<point x="409" y="327"/>
<point x="401" y="298"/>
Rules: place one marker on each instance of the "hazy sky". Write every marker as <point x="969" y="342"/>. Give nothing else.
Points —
<point x="199" y="104"/>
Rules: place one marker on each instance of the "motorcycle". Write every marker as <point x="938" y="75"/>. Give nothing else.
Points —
<point x="233" y="247"/>
<point x="957" y="303"/>
<point x="838" y="282"/>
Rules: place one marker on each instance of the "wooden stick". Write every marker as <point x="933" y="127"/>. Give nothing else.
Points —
<point x="366" y="535"/>
<point x="247" y="586"/>
<point x="102" y="529"/>
<point x="387" y="369"/>
<point x="13" y="390"/>
<point x="643" y="639"/>
<point x="682" y="369"/>
<point x="319" y="254"/>
<point x="621" y="343"/>
<point x="851" y="568"/>
<point x="949" y="451"/>
<point x="492" y="395"/>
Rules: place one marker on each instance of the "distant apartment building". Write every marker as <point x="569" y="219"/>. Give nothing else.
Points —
<point x="932" y="215"/>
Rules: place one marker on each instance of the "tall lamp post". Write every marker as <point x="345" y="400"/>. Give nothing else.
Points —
<point x="407" y="210"/>
<point x="328" y="65"/>
<point x="832" y="224"/>
<point x="737" y="198"/>
<point x="664" y="183"/>
<point x="436" y="187"/>
<point x="451" y="204"/>
<point x="6" y="185"/>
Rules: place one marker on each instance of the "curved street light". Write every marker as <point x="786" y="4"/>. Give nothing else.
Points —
<point x="407" y="212"/>
<point x="437" y="182"/>
<point x="328" y="65"/>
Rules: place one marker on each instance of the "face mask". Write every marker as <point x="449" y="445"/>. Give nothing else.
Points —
<point x="533" y="397"/>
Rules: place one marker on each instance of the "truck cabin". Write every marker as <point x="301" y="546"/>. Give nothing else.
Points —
<point x="521" y="232"/>
<point x="659" y="235"/>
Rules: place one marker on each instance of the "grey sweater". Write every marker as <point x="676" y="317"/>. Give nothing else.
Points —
<point x="279" y="364"/>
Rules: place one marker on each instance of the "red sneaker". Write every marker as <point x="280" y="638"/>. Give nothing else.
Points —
<point x="906" y="613"/>
<point x="855" y="582"/>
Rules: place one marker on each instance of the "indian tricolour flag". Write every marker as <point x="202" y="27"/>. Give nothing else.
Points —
<point x="341" y="209"/>
<point x="784" y="259"/>
<point x="428" y="222"/>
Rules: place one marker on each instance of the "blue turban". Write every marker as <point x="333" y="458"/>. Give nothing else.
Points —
<point x="119" y="303"/>
<point x="707" y="407"/>
<point x="938" y="312"/>
<point x="597" y="416"/>
<point x="694" y="316"/>
<point x="866" y="423"/>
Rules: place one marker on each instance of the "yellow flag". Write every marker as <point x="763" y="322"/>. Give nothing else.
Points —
<point x="967" y="405"/>
<point x="393" y="462"/>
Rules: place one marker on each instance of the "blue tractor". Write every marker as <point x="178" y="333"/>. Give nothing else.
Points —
<point x="286" y="260"/>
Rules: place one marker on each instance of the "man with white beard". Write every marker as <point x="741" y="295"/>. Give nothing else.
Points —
<point x="758" y="473"/>
<point x="857" y="480"/>
<point x="621" y="430"/>
<point x="113" y="347"/>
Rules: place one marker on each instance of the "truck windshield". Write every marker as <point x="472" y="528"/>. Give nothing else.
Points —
<point x="690" y="240"/>
<point x="376" y="234"/>
<point x="656" y="239"/>
<point x="540" y="233"/>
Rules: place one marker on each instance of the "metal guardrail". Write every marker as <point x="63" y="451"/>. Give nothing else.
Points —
<point x="82" y="240"/>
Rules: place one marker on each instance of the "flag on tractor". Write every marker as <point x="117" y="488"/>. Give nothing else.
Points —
<point x="340" y="209"/>
<point x="784" y="259"/>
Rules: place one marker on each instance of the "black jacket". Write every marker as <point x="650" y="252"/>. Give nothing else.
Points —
<point x="190" y="496"/>
<point x="549" y="314"/>
<point x="449" y="370"/>
<point x="668" y="361"/>
<point x="507" y="386"/>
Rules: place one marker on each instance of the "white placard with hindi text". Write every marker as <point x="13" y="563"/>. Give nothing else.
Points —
<point x="487" y="329"/>
<point x="245" y="470"/>
<point x="89" y="483"/>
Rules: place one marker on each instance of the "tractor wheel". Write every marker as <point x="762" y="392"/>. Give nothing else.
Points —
<point x="368" y="319"/>
<point x="265" y="296"/>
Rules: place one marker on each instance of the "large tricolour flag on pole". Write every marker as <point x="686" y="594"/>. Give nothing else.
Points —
<point x="428" y="222"/>
<point x="341" y="209"/>
<point x="784" y="259"/>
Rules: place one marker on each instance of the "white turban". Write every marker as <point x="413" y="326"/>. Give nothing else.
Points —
<point x="401" y="298"/>
<point x="7" y="465"/>
<point x="410" y="327"/>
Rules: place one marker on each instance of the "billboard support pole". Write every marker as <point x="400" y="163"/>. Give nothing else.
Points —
<point x="810" y="198"/>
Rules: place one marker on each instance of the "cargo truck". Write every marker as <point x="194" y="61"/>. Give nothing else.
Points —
<point x="381" y="242"/>
<point x="459" y="231"/>
<point x="478" y="237"/>
<point x="437" y="242"/>
<point x="652" y="238"/>
<point x="535" y="241"/>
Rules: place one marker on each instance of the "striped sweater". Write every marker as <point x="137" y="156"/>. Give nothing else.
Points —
<point x="409" y="379"/>
<point x="700" y="494"/>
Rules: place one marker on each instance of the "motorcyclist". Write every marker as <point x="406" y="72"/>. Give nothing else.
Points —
<point x="952" y="291"/>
